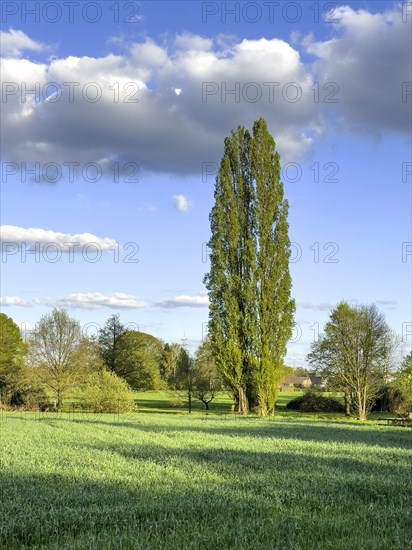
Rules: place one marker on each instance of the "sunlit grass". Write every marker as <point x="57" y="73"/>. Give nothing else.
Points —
<point x="168" y="481"/>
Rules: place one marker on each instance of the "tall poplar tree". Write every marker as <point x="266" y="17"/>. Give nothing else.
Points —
<point x="251" y="310"/>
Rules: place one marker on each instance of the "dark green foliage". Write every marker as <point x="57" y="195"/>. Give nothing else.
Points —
<point x="29" y="396"/>
<point x="185" y="375"/>
<point x="313" y="401"/>
<point x="109" y="339"/>
<point x="389" y="399"/>
<point x="12" y="354"/>
<point x="251" y="311"/>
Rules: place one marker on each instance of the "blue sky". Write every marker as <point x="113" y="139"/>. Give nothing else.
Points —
<point x="122" y="160"/>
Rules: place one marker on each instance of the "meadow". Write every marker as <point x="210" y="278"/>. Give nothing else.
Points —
<point x="177" y="481"/>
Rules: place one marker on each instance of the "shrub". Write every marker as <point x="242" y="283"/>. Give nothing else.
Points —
<point x="105" y="392"/>
<point x="390" y="399"/>
<point x="313" y="401"/>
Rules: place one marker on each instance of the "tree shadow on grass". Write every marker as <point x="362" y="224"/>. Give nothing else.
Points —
<point x="327" y="431"/>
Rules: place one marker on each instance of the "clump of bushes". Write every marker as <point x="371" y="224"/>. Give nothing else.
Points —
<point x="28" y="397"/>
<point x="313" y="401"/>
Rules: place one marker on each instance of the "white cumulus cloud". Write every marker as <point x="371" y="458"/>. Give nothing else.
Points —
<point x="12" y="234"/>
<point x="14" y="42"/>
<point x="14" y="301"/>
<point x="181" y="203"/>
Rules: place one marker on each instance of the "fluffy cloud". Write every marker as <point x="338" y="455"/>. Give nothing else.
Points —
<point x="181" y="203"/>
<point x="11" y="234"/>
<point x="139" y="117"/>
<point x="169" y="109"/>
<point x="14" y="301"/>
<point x="370" y="62"/>
<point x="13" y="43"/>
<point x="94" y="300"/>
<point x="184" y="301"/>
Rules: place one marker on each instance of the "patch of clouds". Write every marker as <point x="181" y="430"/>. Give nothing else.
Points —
<point x="94" y="300"/>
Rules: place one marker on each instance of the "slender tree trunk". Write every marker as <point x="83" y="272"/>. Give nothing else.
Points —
<point x="243" y="407"/>
<point x="59" y="400"/>
<point x="347" y="404"/>
<point x="189" y="394"/>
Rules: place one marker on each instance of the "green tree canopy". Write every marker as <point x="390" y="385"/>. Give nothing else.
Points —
<point x="139" y="359"/>
<point x="404" y="378"/>
<point x="12" y="354"/>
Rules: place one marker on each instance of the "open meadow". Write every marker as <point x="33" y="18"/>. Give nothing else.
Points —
<point x="174" y="481"/>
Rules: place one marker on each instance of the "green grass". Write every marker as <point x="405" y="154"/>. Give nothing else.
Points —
<point x="178" y="482"/>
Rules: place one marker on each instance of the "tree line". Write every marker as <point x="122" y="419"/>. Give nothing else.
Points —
<point x="354" y="355"/>
<point x="57" y="360"/>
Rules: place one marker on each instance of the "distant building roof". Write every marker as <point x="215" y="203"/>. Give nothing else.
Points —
<point x="297" y="380"/>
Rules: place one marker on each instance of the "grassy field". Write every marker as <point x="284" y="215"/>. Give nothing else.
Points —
<point x="168" y="481"/>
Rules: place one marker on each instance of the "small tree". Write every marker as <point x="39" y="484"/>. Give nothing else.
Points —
<point x="109" y="342"/>
<point x="355" y="354"/>
<point x="169" y="363"/>
<point x="185" y="375"/>
<point x="206" y="379"/>
<point x="58" y="353"/>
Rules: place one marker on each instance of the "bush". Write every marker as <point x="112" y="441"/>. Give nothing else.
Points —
<point x="390" y="399"/>
<point x="28" y="397"/>
<point x="104" y="392"/>
<point x="313" y="401"/>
